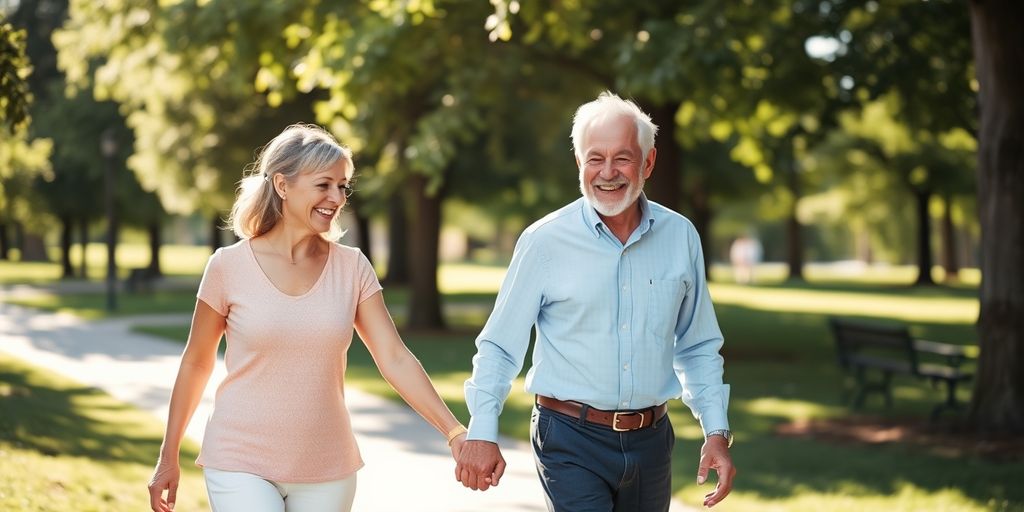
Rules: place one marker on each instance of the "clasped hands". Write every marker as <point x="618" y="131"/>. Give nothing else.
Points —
<point x="480" y="464"/>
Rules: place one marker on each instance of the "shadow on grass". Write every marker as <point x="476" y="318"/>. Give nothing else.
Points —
<point x="60" y="420"/>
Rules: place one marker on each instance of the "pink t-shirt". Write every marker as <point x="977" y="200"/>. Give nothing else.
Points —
<point x="280" y="412"/>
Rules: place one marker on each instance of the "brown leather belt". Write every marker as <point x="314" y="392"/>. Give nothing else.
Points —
<point x="619" y="421"/>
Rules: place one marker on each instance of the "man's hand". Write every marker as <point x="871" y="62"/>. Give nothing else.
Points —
<point x="715" y="455"/>
<point x="480" y="465"/>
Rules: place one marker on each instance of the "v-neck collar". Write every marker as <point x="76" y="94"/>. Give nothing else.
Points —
<point x="323" y="272"/>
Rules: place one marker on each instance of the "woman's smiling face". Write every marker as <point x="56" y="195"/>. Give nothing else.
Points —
<point x="315" y="198"/>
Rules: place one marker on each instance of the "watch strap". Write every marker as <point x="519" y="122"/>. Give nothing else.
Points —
<point x="722" y="432"/>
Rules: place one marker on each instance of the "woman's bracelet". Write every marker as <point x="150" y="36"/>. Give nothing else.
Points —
<point x="456" y="431"/>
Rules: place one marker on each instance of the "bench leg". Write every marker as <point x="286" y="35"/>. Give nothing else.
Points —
<point x="865" y="386"/>
<point x="950" y="404"/>
<point x="887" y="389"/>
<point x="861" y="389"/>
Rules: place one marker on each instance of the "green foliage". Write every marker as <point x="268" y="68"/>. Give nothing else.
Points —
<point x="21" y="159"/>
<point x="920" y="51"/>
<point x="14" y="71"/>
<point x="183" y="74"/>
<point x="21" y="162"/>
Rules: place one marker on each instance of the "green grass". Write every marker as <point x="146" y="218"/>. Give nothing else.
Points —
<point x="68" y="447"/>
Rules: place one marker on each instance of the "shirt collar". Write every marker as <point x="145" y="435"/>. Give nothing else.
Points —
<point x="595" y="224"/>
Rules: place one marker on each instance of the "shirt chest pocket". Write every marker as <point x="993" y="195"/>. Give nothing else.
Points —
<point x="664" y="299"/>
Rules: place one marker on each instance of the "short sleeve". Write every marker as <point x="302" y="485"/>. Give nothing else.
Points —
<point x="367" y="278"/>
<point x="211" y="288"/>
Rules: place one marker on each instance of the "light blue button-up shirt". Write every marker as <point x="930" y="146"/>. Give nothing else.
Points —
<point x="619" y="326"/>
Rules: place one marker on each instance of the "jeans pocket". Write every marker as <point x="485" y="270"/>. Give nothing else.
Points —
<point x="540" y="425"/>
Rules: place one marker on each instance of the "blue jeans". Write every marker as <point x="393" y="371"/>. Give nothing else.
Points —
<point x="591" y="468"/>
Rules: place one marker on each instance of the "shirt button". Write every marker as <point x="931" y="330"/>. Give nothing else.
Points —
<point x="625" y="404"/>
<point x="624" y="326"/>
<point x="625" y="366"/>
<point x="624" y="287"/>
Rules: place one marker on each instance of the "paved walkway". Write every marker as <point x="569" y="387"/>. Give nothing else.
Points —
<point x="408" y="466"/>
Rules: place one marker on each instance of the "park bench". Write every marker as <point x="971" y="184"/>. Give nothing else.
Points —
<point x="864" y="347"/>
<point x="140" y="280"/>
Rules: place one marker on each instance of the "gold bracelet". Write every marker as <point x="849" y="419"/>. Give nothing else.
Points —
<point x="456" y="431"/>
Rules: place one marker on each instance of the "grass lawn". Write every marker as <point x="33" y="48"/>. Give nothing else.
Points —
<point x="68" y="447"/>
<point x="781" y="365"/>
<point x="175" y="260"/>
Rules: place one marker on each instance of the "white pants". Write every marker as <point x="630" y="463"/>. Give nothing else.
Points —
<point x="232" y="491"/>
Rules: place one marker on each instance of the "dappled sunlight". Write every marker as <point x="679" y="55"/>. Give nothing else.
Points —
<point x="469" y="278"/>
<point x="944" y="310"/>
<point x="846" y="271"/>
<point x="790" y="409"/>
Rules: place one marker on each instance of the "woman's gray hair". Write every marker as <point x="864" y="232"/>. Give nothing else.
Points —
<point x="300" y="148"/>
<point x="606" y="105"/>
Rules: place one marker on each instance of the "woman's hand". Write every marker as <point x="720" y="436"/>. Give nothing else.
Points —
<point x="457" y="444"/>
<point x="165" y="478"/>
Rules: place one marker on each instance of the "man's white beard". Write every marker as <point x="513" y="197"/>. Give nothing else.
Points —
<point x="612" y="209"/>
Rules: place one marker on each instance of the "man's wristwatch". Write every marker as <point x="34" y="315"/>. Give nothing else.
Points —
<point x="724" y="433"/>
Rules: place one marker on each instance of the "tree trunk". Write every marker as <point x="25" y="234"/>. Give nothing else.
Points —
<point x="862" y="241"/>
<point x="154" y="249"/>
<point x="33" y="248"/>
<point x="215" y="239"/>
<point x="924" y="239"/>
<point x="665" y="185"/>
<point x="365" y="241"/>
<point x="398" y="241"/>
<point x="425" y="300"/>
<point x="949" y="261"/>
<point x="794" y="231"/>
<point x="67" y="226"/>
<point x="998" y="401"/>
<point x="83" y="243"/>
<point x="702" y="215"/>
<point x="5" y="242"/>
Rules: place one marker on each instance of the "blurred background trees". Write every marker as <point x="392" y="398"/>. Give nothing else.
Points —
<point x="834" y="130"/>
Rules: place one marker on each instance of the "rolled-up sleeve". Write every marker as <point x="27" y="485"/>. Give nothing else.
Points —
<point x="502" y="345"/>
<point x="697" y="362"/>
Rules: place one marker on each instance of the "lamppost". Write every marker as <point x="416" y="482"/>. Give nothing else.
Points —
<point x="108" y="145"/>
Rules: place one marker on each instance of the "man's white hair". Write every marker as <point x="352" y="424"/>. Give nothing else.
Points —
<point x="606" y="105"/>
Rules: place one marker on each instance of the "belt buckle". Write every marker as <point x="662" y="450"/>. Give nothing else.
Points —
<point x="615" y="420"/>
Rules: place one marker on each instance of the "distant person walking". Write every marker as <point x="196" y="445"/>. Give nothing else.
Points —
<point x="745" y="254"/>
<point x="288" y="298"/>
<point x="614" y="285"/>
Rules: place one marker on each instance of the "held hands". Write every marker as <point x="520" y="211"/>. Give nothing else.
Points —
<point x="456" y="445"/>
<point x="165" y="477"/>
<point x="715" y="455"/>
<point x="480" y="465"/>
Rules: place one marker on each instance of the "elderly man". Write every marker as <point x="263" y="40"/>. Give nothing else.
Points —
<point x="615" y="286"/>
